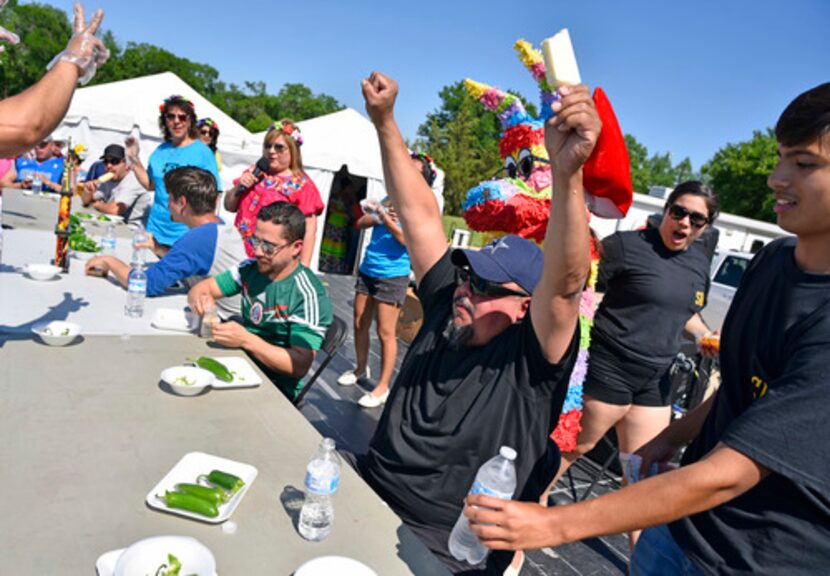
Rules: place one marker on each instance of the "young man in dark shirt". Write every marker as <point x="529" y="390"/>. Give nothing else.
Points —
<point x="490" y="366"/>
<point x="753" y="494"/>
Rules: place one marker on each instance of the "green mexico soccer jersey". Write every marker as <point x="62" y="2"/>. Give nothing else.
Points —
<point x="294" y="311"/>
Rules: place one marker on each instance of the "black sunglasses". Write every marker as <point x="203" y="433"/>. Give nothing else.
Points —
<point x="112" y="161"/>
<point x="278" y="148"/>
<point x="481" y="287"/>
<point x="696" y="219"/>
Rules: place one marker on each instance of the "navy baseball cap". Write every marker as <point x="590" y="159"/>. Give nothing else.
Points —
<point x="510" y="258"/>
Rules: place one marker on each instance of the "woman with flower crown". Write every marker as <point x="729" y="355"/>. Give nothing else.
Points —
<point x="282" y="181"/>
<point x="181" y="147"/>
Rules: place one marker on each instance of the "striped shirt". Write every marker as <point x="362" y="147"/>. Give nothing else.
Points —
<point x="294" y="311"/>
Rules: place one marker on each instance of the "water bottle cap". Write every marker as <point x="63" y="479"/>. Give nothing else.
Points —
<point x="507" y="452"/>
<point x="327" y="443"/>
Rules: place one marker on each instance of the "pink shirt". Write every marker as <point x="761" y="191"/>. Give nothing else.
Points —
<point x="5" y="164"/>
<point x="299" y="190"/>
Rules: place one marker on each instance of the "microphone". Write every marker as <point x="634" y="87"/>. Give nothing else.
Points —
<point x="262" y="165"/>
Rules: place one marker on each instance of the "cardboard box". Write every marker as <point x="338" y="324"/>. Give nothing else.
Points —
<point x="410" y="318"/>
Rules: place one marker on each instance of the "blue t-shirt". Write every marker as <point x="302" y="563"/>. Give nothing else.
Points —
<point x="165" y="158"/>
<point x="385" y="257"/>
<point x="53" y="167"/>
<point x="191" y="255"/>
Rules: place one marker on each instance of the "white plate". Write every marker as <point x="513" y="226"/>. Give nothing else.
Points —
<point x="153" y="552"/>
<point x="340" y="565"/>
<point x="176" y="320"/>
<point x="188" y="469"/>
<point x="85" y="255"/>
<point x="42" y="272"/>
<point x="108" y="219"/>
<point x="244" y="374"/>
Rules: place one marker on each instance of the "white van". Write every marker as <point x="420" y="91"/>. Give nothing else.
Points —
<point x="728" y="268"/>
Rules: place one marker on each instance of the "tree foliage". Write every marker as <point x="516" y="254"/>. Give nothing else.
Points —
<point x="44" y="32"/>
<point x="654" y="170"/>
<point x="738" y="173"/>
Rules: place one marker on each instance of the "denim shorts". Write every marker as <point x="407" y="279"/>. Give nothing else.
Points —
<point x="657" y="554"/>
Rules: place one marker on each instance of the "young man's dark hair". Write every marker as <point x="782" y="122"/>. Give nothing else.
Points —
<point x="806" y="118"/>
<point x="287" y="215"/>
<point x="195" y="184"/>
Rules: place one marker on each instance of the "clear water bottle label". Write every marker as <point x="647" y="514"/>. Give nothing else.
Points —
<point x="137" y="286"/>
<point x="479" y="488"/>
<point x="323" y="485"/>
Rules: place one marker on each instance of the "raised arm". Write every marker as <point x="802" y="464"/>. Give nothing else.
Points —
<point x="570" y="137"/>
<point x="141" y="174"/>
<point x="412" y="198"/>
<point x="28" y="117"/>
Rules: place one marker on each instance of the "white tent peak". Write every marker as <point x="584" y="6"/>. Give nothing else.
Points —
<point x="128" y="105"/>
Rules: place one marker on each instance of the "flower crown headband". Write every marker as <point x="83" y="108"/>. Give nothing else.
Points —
<point x="288" y="129"/>
<point x="209" y="122"/>
<point x="176" y="99"/>
<point x="427" y="159"/>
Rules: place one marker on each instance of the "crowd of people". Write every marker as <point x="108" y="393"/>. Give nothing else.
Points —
<point x="491" y="364"/>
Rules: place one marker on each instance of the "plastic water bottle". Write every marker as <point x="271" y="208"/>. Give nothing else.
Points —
<point x="497" y="478"/>
<point x="37" y="183"/>
<point x="108" y="241"/>
<point x="140" y="237"/>
<point x="136" y="291"/>
<point x="321" y="481"/>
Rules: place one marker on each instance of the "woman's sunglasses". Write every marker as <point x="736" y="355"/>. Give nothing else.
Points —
<point x="481" y="287"/>
<point x="276" y="146"/>
<point x="696" y="219"/>
<point x="171" y="116"/>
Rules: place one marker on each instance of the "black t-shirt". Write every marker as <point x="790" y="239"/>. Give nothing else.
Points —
<point x="772" y="406"/>
<point x="450" y="410"/>
<point x="650" y="294"/>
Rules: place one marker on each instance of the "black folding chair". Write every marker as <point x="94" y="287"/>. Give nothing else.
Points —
<point x="335" y="336"/>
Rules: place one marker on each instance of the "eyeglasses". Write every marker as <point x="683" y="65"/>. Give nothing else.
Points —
<point x="267" y="248"/>
<point x="696" y="219"/>
<point x="276" y="146"/>
<point x="43" y="144"/>
<point x="112" y="161"/>
<point x="171" y="116"/>
<point x="205" y="132"/>
<point x="482" y="287"/>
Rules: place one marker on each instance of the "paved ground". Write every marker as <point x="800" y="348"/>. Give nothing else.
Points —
<point x="333" y="410"/>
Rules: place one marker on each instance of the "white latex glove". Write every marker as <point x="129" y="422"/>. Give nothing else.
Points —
<point x="84" y="49"/>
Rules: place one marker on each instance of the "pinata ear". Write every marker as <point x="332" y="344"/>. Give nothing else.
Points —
<point x="607" y="173"/>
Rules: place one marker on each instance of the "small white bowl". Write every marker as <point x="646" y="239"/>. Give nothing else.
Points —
<point x="84" y="255"/>
<point x="187" y="380"/>
<point x="42" y="271"/>
<point x="145" y="556"/>
<point x="57" y="332"/>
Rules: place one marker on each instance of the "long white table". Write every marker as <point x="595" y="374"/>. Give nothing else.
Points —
<point x="88" y="430"/>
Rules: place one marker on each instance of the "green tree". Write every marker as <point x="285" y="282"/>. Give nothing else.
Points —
<point x="43" y="30"/>
<point x="654" y="170"/>
<point x="738" y="173"/>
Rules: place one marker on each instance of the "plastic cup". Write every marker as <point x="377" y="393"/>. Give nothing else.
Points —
<point x="209" y="318"/>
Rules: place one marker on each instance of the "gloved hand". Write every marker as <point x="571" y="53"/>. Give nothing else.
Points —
<point x="84" y="49"/>
<point x="6" y="35"/>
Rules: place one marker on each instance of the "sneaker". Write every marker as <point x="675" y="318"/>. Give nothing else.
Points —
<point x="370" y="401"/>
<point x="350" y="377"/>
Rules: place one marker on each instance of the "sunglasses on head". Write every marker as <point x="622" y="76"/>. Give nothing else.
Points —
<point x="173" y="116"/>
<point x="696" y="219"/>
<point x="481" y="287"/>
<point x="112" y="161"/>
<point x="276" y="146"/>
<point x="267" y="248"/>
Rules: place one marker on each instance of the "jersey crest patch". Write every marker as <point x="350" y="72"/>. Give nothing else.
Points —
<point x="255" y="313"/>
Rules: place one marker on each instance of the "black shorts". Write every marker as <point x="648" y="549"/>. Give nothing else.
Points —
<point x="617" y="379"/>
<point x="386" y="290"/>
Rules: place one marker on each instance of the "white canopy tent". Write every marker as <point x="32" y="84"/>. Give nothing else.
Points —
<point x="108" y="113"/>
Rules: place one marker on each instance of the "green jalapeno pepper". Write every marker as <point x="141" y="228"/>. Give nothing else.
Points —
<point x="190" y="503"/>
<point x="216" y="495"/>
<point x="224" y="480"/>
<point x="214" y="367"/>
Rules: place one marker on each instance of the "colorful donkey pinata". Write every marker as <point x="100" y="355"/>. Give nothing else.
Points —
<point x="520" y="202"/>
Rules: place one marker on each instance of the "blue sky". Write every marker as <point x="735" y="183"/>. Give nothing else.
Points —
<point x="684" y="76"/>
